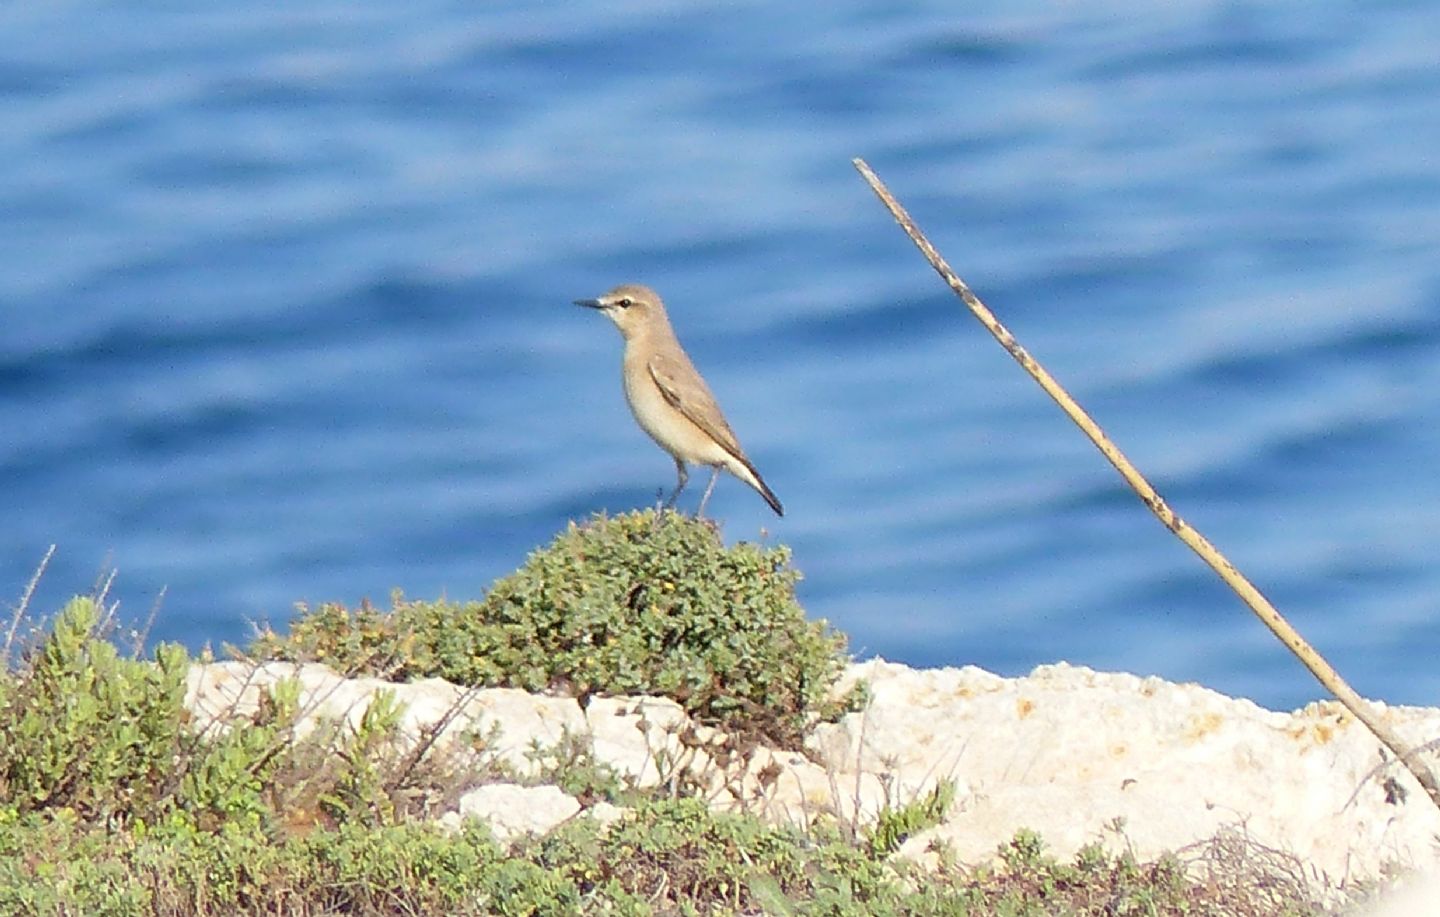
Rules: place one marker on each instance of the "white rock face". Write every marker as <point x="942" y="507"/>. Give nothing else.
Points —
<point x="1081" y="756"/>
<point x="513" y="810"/>
<point x="637" y="736"/>
<point x="1419" y="897"/>
<point x="221" y="690"/>
<point x="1077" y="756"/>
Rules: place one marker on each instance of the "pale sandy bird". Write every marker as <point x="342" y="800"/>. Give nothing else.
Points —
<point x="667" y="396"/>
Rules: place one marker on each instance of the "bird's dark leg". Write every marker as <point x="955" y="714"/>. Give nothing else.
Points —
<point x="681" y="476"/>
<point x="714" y="473"/>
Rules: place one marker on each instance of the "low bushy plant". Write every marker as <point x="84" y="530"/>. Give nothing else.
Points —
<point x="114" y="803"/>
<point x="643" y="603"/>
<point x="83" y="728"/>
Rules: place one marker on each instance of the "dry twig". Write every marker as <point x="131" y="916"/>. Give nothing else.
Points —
<point x="1233" y="578"/>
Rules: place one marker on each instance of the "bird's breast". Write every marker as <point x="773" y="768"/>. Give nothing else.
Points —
<point x="664" y="422"/>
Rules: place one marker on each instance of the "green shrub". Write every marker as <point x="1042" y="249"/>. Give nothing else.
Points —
<point x="895" y="824"/>
<point x="112" y="804"/>
<point x="642" y="603"/>
<point x="85" y="729"/>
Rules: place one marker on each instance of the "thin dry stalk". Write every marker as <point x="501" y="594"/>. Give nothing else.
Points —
<point x="24" y="606"/>
<point x="138" y="638"/>
<point x="1232" y="577"/>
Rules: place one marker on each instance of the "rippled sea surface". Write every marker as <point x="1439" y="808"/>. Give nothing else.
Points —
<point x="285" y="297"/>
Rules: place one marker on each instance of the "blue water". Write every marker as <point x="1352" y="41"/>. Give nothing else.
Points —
<point x="286" y="310"/>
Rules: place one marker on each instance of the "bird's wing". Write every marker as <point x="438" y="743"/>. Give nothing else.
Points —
<point x="686" y="391"/>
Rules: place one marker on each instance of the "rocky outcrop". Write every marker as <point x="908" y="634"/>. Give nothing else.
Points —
<point x="1075" y="755"/>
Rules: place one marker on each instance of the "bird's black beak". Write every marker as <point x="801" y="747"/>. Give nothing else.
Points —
<point x="590" y="303"/>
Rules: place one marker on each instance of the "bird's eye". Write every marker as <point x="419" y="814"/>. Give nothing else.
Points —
<point x="625" y="302"/>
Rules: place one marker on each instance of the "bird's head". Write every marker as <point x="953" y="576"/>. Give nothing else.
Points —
<point x="630" y="306"/>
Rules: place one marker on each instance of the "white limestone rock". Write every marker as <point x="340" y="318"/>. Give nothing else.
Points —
<point x="526" y="722"/>
<point x="604" y="813"/>
<point x="640" y="737"/>
<point x="1082" y="756"/>
<point x="1077" y="756"/>
<point x="512" y="810"/>
<point x="219" y="691"/>
<point x="1419" y="896"/>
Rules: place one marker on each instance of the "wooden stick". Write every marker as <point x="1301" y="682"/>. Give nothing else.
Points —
<point x="1233" y="578"/>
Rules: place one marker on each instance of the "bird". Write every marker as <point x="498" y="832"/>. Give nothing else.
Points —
<point x="669" y="398"/>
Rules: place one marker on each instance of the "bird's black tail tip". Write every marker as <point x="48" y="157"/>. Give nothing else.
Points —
<point x="773" y="500"/>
